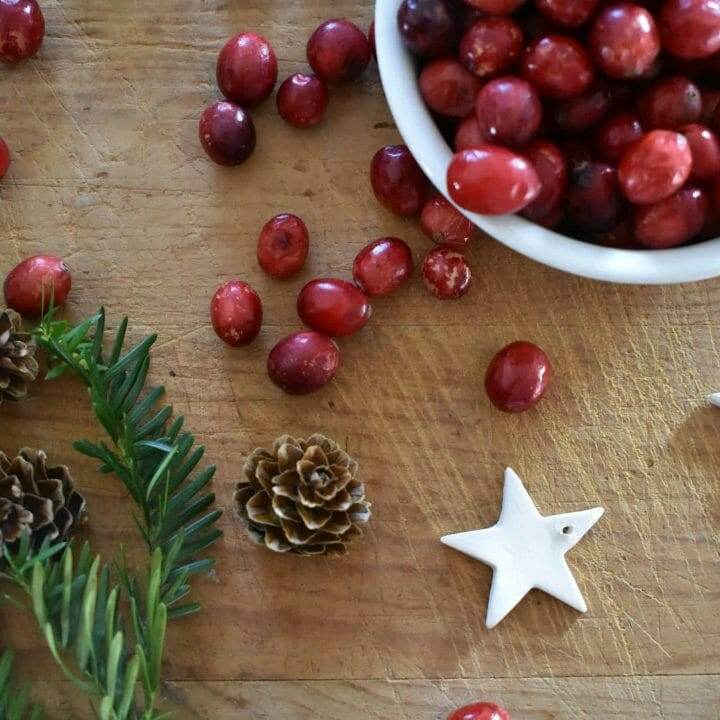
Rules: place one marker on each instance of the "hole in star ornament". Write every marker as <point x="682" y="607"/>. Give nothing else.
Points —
<point x="526" y="551"/>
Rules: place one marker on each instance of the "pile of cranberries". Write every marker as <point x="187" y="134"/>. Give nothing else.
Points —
<point x="480" y="711"/>
<point x="596" y="118"/>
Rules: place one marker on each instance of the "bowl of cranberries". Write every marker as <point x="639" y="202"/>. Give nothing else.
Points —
<point x="584" y="134"/>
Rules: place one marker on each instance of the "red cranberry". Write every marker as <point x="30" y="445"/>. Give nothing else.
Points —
<point x="283" y="246"/>
<point x="496" y="7"/>
<point x="584" y="110"/>
<point x="491" y="45"/>
<point x="670" y="103"/>
<point x="569" y="13"/>
<point x="710" y="102"/>
<point x="551" y="168"/>
<point x="383" y="266"/>
<point x="303" y="362"/>
<point x="492" y="180"/>
<point x="616" y="135"/>
<point x="444" y="224"/>
<point x="672" y="221"/>
<point x="508" y="111"/>
<point x="338" y="51"/>
<point x="593" y="197"/>
<point x="446" y="273"/>
<point x="577" y="150"/>
<point x="33" y="283"/>
<point x="227" y="133"/>
<point x="716" y="194"/>
<point x="705" y="149"/>
<point x="448" y="88"/>
<point x="4" y="158"/>
<point x="468" y="134"/>
<point x="621" y="237"/>
<point x="247" y="69"/>
<point x="690" y="28"/>
<point x="22" y="29"/>
<point x="333" y="307"/>
<point x="397" y="180"/>
<point x="236" y="313"/>
<point x="480" y="711"/>
<point x="427" y="27"/>
<point x="655" y="167"/>
<point x="558" y="66"/>
<point x="302" y="100"/>
<point x="624" y="40"/>
<point x="518" y="377"/>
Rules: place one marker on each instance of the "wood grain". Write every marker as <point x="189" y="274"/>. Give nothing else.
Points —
<point x="108" y="172"/>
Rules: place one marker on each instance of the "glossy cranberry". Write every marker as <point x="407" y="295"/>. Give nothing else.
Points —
<point x="448" y="88"/>
<point x="508" y="111"/>
<point x="655" y="167"/>
<point x="558" y="66"/>
<point x="496" y="7"/>
<point x="690" y="28"/>
<point x="32" y="284"/>
<point x="446" y="273"/>
<point x="480" y="711"/>
<point x="338" y="51"/>
<point x="236" y="313"/>
<point x="302" y="100"/>
<point x="468" y="134"/>
<point x="283" y="246"/>
<point x="4" y="158"/>
<point x="382" y="266"/>
<point x="616" y="135"/>
<point x="568" y="13"/>
<point x="22" y="29"/>
<point x="333" y="307"/>
<point x="303" y="362"/>
<point x="670" y="103"/>
<point x="705" y="149"/>
<point x="492" y="180"/>
<point x="397" y="180"/>
<point x="444" y="224"/>
<point x="428" y="27"/>
<point x="491" y="45"/>
<point x="674" y="220"/>
<point x="518" y="377"/>
<point x="227" y="133"/>
<point x="593" y="198"/>
<point x="247" y="69"/>
<point x="551" y="168"/>
<point x="584" y="110"/>
<point x="578" y="150"/>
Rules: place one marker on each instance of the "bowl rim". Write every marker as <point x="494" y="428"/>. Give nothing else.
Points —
<point x="419" y="131"/>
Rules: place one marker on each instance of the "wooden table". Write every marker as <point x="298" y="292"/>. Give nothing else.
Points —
<point x="108" y="173"/>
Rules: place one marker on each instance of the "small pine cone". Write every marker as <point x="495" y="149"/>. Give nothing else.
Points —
<point x="38" y="498"/>
<point x="18" y="366"/>
<point x="302" y="496"/>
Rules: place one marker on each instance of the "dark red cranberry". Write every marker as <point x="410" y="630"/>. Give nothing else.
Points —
<point x="578" y="150"/>
<point x="22" y="29"/>
<point x="333" y="307"/>
<point x="444" y="224"/>
<point x="283" y="246"/>
<point x="35" y="282"/>
<point x="338" y="51"/>
<point x="302" y="100"/>
<point x="496" y="7"/>
<point x="508" y="111"/>
<point x="428" y="27"/>
<point x="518" y="377"/>
<point x="227" y="133"/>
<point x="448" y="88"/>
<point x="397" y="180"/>
<point x="616" y="135"/>
<point x="4" y="158"/>
<point x="236" y="313"/>
<point x="446" y="273"/>
<point x="382" y="266"/>
<point x="716" y="194"/>
<point x="621" y="237"/>
<point x="710" y="102"/>
<point x="674" y="220"/>
<point x="468" y="134"/>
<point x="705" y="149"/>
<point x="690" y="28"/>
<point x="593" y="198"/>
<point x="568" y="13"/>
<point x="584" y="110"/>
<point x="558" y="66"/>
<point x="670" y="103"/>
<point x="551" y="168"/>
<point x="491" y="45"/>
<point x="247" y="69"/>
<point x="480" y="711"/>
<point x="303" y="362"/>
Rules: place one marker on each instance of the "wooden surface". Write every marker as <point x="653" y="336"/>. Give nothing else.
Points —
<point x="108" y="173"/>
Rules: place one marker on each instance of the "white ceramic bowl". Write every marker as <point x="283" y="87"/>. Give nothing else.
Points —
<point x="416" y="125"/>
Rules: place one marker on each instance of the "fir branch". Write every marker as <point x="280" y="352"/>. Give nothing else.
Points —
<point x="15" y="701"/>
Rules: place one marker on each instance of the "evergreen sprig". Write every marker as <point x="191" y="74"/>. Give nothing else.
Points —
<point x="15" y="701"/>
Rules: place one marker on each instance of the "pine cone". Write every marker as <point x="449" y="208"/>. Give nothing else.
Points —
<point x="39" y="498"/>
<point x="18" y="366"/>
<point x="302" y="496"/>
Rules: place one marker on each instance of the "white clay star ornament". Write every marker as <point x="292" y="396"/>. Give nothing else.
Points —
<point x="526" y="551"/>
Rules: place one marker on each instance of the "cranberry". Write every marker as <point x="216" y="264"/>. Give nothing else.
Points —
<point x="616" y="135"/>
<point x="710" y="102"/>
<point x="382" y="266"/>
<point x="227" y="133"/>
<point x="448" y="88"/>
<point x="624" y="40"/>
<point x="35" y="282"/>
<point x="492" y="180"/>
<point x="247" y="69"/>
<point x="480" y="711"/>
<point x="444" y="224"/>
<point x="371" y="39"/>
<point x="690" y="28"/>
<point x="333" y="307"/>
<point x="496" y="7"/>
<point x="655" y="167"/>
<point x="508" y="111"/>
<point x="468" y="134"/>
<point x="302" y="100"/>
<point x="283" y="246"/>
<point x="705" y="149"/>
<point x="22" y="29"/>
<point x="593" y="197"/>
<point x="303" y="362"/>
<point x="621" y="237"/>
<point x="674" y="220"/>
<point x="518" y="377"/>
<point x="578" y="150"/>
<point x="338" y="51"/>
<point x="427" y="27"/>
<point x="4" y="158"/>
<point x="716" y="194"/>
<point x="446" y="273"/>
<point x="551" y="168"/>
<point x="397" y="180"/>
<point x="491" y="45"/>
<point x="569" y="13"/>
<point x="558" y="66"/>
<point x="670" y="103"/>
<point x="236" y="313"/>
<point x="584" y="110"/>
